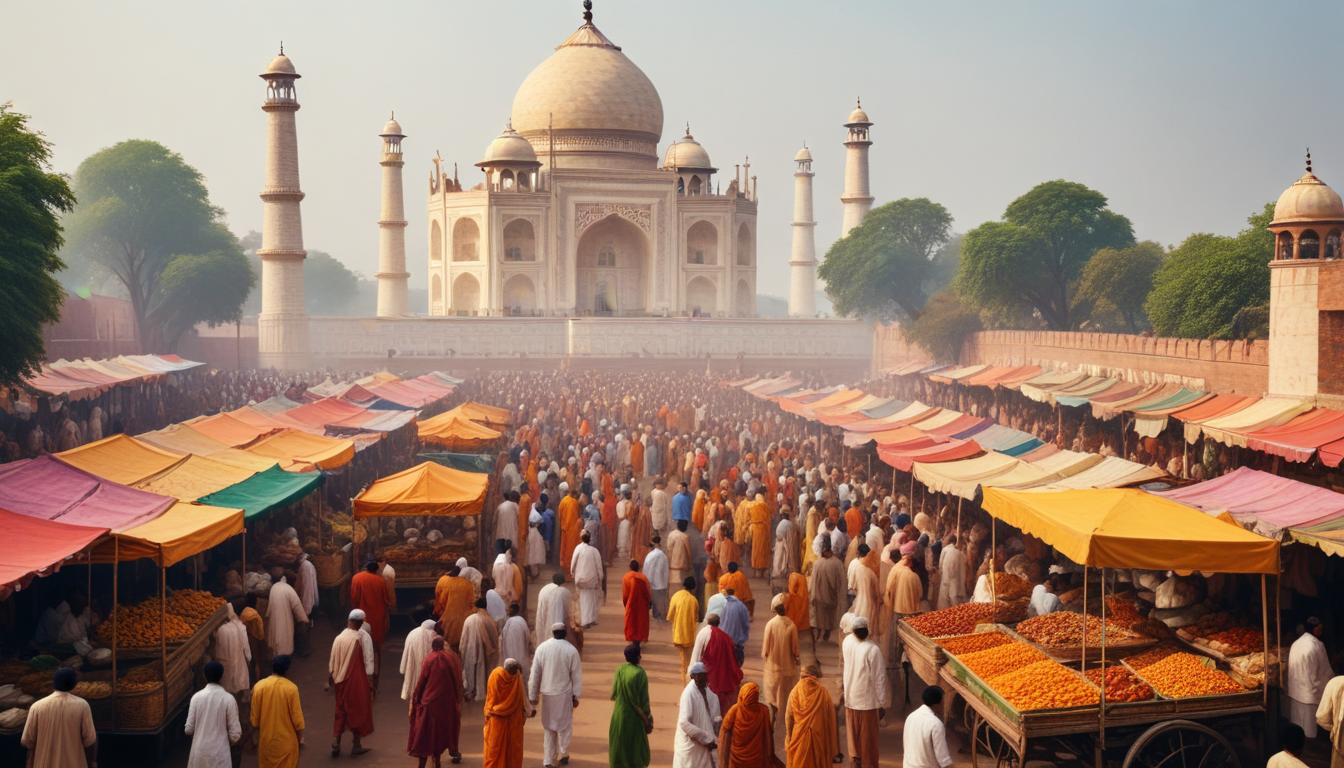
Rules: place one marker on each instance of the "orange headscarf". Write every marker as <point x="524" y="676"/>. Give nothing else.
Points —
<point x="747" y="736"/>
<point x="796" y="601"/>
<point x="504" y="719"/>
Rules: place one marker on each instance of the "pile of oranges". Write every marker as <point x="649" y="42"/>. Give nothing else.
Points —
<point x="1001" y="659"/>
<point x="1121" y="684"/>
<point x="1185" y="675"/>
<point x="1148" y="658"/>
<point x="980" y="641"/>
<point x="1044" y="685"/>
<point x="957" y="620"/>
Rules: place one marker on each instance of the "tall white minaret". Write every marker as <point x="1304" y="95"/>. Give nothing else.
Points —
<point x="282" y="326"/>
<point x="803" y="261"/>
<point x="392" y="274"/>
<point x="856" y="198"/>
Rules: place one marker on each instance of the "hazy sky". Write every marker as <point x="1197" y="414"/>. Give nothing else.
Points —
<point x="1188" y="115"/>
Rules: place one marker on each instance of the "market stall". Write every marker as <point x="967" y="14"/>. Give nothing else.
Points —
<point x="453" y="432"/>
<point x="1156" y="702"/>
<point x="447" y="502"/>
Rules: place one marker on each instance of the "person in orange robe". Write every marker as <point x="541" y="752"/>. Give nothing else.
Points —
<point x="585" y="429"/>
<point x="524" y="509"/>
<point x="747" y="737"/>
<point x="608" y="511"/>
<point x="811" y="738"/>
<point x="698" y="510"/>
<point x="854" y="522"/>
<point x="796" y="602"/>
<point x="726" y="549"/>
<point x="758" y="517"/>
<point x="637" y="455"/>
<point x="370" y="594"/>
<point x="506" y="711"/>
<point x="636" y="595"/>
<point x="737" y="581"/>
<point x="571" y="525"/>
<point x="454" y="597"/>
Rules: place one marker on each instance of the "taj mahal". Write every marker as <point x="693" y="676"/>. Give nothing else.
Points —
<point x="582" y="239"/>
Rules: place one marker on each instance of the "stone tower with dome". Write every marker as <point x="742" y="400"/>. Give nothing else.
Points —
<point x="577" y="214"/>
<point x="1306" y="290"/>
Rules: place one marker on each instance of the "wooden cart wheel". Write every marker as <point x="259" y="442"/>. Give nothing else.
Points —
<point x="1181" y="744"/>
<point x="984" y="737"/>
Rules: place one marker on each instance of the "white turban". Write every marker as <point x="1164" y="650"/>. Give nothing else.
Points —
<point x="356" y="615"/>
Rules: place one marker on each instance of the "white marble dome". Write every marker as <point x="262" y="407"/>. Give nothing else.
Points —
<point x="804" y="154"/>
<point x="391" y="128"/>
<point x="281" y="65"/>
<point x="509" y="147"/>
<point x="686" y="152"/>
<point x="1308" y="199"/>
<point x="588" y="85"/>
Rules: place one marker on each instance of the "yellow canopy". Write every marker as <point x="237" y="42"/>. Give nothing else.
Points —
<point x="454" y="431"/>
<point x="196" y="477"/>
<point x="1329" y="542"/>
<point x="121" y="459"/>
<point x="1127" y="528"/>
<point x="425" y="489"/>
<point x="184" y="530"/>
<point x="184" y="439"/>
<point x="304" y="452"/>
<point x="488" y="415"/>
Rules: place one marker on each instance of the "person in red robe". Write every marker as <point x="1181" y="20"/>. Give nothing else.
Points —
<point x="724" y="674"/>
<point x="636" y="595"/>
<point x="370" y="594"/>
<point x="436" y="706"/>
<point x="351" y="672"/>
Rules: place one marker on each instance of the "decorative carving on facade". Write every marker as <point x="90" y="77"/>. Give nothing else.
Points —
<point x="588" y="214"/>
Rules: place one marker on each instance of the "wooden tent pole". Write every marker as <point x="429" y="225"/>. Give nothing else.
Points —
<point x="1264" y="631"/>
<point x="163" y="640"/>
<point x="1101" y="742"/>
<point x="1082" y="658"/>
<point x="116" y="557"/>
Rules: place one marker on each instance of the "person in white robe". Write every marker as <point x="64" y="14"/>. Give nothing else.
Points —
<point x="553" y="607"/>
<point x="469" y="573"/>
<point x="702" y="637"/>
<point x="212" y="722"/>
<point x="502" y="574"/>
<point x="660" y="504"/>
<point x="1308" y="672"/>
<point x="284" y="610"/>
<point x="556" y="680"/>
<point x="698" y="720"/>
<point x="413" y="653"/>
<point x="515" y="640"/>
<point x="307" y="584"/>
<point x="234" y="652"/>
<point x="586" y="565"/>
<point x="479" y="640"/>
<point x="624" y="528"/>
<point x="657" y="571"/>
<point x="536" y="543"/>
<point x="952" y="569"/>
<point x="924" y="738"/>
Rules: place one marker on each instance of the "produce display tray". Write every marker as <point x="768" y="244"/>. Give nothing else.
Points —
<point x="1216" y="704"/>
<point x="926" y="656"/>
<point x="195" y="644"/>
<point x="1074" y="653"/>
<point x="1036" y="722"/>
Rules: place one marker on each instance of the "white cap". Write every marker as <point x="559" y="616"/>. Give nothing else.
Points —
<point x="859" y="622"/>
<point x="698" y="668"/>
<point x="356" y="615"/>
<point x="558" y="627"/>
<point x="564" y="487"/>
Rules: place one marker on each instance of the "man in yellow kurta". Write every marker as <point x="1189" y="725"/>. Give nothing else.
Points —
<point x="681" y="613"/>
<point x="567" y="519"/>
<point x="758" y="517"/>
<point x="277" y="718"/>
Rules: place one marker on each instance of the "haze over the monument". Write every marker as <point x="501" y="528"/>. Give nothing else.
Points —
<point x="1182" y="117"/>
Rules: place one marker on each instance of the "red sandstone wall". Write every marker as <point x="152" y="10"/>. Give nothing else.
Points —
<point x="1224" y="366"/>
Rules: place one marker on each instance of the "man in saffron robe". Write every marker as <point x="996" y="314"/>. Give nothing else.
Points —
<point x="720" y="660"/>
<point x="779" y="657"/>
<point x="277" y="718"/>
<point x="453" y="598"/>
<point x="351" y="672"/>
<point x="436" y="706"/>
<point x="747" y="736"/>
<point x="637" y="455"/>
<point x="811" y="737"/>
<point x="736" y="580"/>
<point x="568" y="518"/>
<point x="631" y="716"/>
<point x="506" y="711"/>
<point x="636" y="596"/>
<point x="369" y="593"/>
<point x="758" y="520"/>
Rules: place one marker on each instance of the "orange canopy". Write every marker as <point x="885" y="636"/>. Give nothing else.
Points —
<point x="488" y="415"/>
<point x="425" y="489"/>
<point x="228" y="429"/>
<point x="121" y="459"/>
<point x="184" y="530"/>
<point x="452" y="430"/>
<point x="304" y="452"/>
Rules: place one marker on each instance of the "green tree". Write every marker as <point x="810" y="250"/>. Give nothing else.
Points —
<point x="141" y="208"/>
<point x="943" y="326"/>
<point x="1032" y="259"/>
<point x="31" y="200"/>
<point x="1115" y="283"/>
<point x="329" y="287"/>
<point x="1208" y="279"/>
<point x="202" y="288"/>
<point x="884" y="267"/>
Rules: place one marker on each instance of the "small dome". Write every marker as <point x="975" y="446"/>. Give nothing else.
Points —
<point x="686" y="152"/>
<point x="1308" y="199"/>
<point x="804" y="155"/>
<point x="281" y="65"/>
<point x="858" y="115"/>
<point x="392" y="128"/>
<point x="509" y="147"/>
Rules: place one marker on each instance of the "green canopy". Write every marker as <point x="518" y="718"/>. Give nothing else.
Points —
<point x="466" y="462"/>
<point x="265" y="491"/>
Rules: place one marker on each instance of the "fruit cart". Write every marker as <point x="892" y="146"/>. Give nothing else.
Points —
<point x="1015" y="716"/>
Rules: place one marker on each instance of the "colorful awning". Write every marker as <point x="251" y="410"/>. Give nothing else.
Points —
<point x="1264" y="502"/>
<point x="182" y="531"/>
<point x="949" y="450"/>
<point x="1299" y="438"/>
<point x="305" y="452"/>
<point x="37" y="547"/>
<point x="121" y="459"/>
<point x="46" y="488"/>
<point x="265" y="491"/>
<point x="453" y="432"/>
<point x="1231" y="429"/>
<point x="425" y="489"/>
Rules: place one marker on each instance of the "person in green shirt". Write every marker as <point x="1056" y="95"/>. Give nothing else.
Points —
<point x="631" y="717"/>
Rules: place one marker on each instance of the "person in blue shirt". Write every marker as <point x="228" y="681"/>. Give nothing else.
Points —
<point x="547" y="523"/>
<point x="735" y="619"/>
<point x="681" y="504"/>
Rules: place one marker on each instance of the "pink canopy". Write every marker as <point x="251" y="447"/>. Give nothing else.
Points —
<point x="36" y="547"/>
<point x="1299" y="439"/>
<point x="47" y="488"/>
<point x="1269" y="502"/>
<point x="952" y="450"/>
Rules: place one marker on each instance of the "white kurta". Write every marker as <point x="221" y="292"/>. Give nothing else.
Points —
<point x="307" y="585"/>
<point x="515" y="642"/>
<point x="418" y="643"/>
<point x="952" y="584"/>
<point x="233" y="651"/>
<point x="1308" y="672"/>
<point x="552" y="608"/>
<point x="864" y="674"/>
<point x="587" y="566"/>
<point x="655" y="568"/>
<point x="502" y="573"/>
<point x="623" y="529"/>
<point x="698" y="720"/>
<point x="701" y="640"/>
<point x="475" y="666"/>
<point x="924" y="741"/>
<point x="284" y="610"/>
<point x="212" y="724"/>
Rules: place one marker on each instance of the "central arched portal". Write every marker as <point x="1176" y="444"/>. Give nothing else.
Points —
<point x="612" y="277"/>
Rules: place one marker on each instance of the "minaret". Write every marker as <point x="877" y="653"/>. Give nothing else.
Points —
<point x="392" y="274"/>
<point x="803" y="261"/>
<point x="856" y="198"/>
<point x="282" y="326"/>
